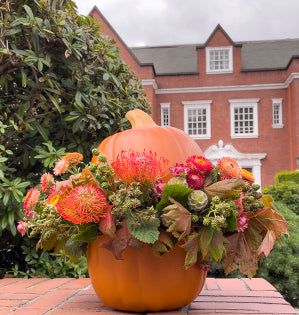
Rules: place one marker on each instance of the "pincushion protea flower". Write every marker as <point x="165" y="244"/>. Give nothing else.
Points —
<point x="46" y="182"/>
<point x="68" y="160"/>
<point x="199" y="163"/>
<point x="228" y="168"/>
<point x="82" y="204"/>
<point x="144" y="168"/>
<point x="30" y="202"/>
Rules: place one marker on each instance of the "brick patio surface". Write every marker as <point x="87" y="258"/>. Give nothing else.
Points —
<point x="68" y="296"/>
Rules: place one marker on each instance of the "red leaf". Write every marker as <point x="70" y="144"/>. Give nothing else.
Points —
<point x="179" y="218"/>
<point x="239" y="256"/>
<point x="267" y="244"/>
<point x="107" y="224"/>
<point x="191" y="246"/>
<point x="118" y="244"/>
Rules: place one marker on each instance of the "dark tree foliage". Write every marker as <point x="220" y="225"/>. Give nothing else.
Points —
<point x="63" y="88"/>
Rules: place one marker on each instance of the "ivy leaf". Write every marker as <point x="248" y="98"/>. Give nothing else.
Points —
<point x="118" y="244"/>
<point x="273" y="221"/>
<point x="206" y="234"/>
<point x="225" y="188"/>
<point x="267" y="243"/>
<point x="239" y="256"/>
<point x="175" y="191"/>
<point x="162" y="245"/>
<point x="87" y="233"/>
<point x="216" y="247"/>
<point x="232" y="223"/>
<point x="179" y="218"/>
<point x="75" y="249"/>
<point x="107" y="225"/>
<point x="145" y="231"/>
<point x="191" y="247"/>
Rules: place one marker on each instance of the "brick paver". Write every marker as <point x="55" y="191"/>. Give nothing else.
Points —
<point x="66" y="296"/>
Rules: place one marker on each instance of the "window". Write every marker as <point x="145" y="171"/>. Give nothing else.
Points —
<point x="197" y="119"/>
<point x="277" y="112"/>
<point x="219" y="59"/>
<point x="244" y="118"/>
<point x="165" y="114"/>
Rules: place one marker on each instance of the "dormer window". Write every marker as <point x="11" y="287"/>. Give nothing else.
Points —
<point x="219" y="59"/>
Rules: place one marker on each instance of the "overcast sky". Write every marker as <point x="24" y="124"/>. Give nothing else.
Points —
<point x="170" y="22"/>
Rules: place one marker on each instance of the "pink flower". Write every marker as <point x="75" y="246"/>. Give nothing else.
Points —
<point x="204" y="267"/>
<point x="200" y="163"/>
<point x="242" y="222"/>
<point x="158" y="188"/>
<point x="195" y="179"/>
<point x="178" y="169"/>
<point x="21" y="228"/>
<point x="46" y="182"/>
<point x="30" y="202"/>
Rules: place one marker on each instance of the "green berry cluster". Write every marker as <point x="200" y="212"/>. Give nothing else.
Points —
<point x="142" y="216"/>
<point x="218" y="212"/>
<point x="252" y="198"/>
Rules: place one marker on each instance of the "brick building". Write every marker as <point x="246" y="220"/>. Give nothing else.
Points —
<point x="237" y="99"/>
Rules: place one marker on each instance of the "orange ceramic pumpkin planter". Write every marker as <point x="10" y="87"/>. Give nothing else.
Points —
<point x="142" y="282"/>
<point x="171" y="143"/>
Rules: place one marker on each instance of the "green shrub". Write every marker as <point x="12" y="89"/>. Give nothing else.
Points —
<point x="286" y="176"/>
<point x="281" y="267"/>
<point x="285" y="192"/>
<point x="63" y="88"/>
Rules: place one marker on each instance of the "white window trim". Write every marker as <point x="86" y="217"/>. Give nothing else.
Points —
<point x="244" y="103"/>
<point x="277" y="101"/>
<point x="165" y="106"/>
<point x="198" y="104"/>
<point x="230" y="60"/>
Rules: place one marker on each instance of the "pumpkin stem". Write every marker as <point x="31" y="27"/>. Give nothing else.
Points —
<point x="139" y="118"/>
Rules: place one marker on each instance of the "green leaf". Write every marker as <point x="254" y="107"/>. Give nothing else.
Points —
<point x="43" y="132"/>
<point x="232" y="223"/>
<point x="88" y="233"/>
<point x="75" y="249"/>
<point x="191" y="247"/>
<point x="177" y="192"/>
<point x="54" y="101"/>
<point x="145" y="231"/>
<point x="29" y="11"/>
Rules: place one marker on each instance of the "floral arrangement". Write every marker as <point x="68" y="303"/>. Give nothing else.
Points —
<point x="215" y="212"/>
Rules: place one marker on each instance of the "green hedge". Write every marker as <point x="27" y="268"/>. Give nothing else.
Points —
<point x="286" y="176"/>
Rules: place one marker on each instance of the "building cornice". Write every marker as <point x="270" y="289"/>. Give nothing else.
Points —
<point x="224" y="88"/>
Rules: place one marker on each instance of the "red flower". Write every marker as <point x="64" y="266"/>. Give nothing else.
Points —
<point x="139" y="167"/>
<point x="195" y="179"/>
<point x="83" y="204"/>
<point x="178" y="169"/>
<point x="200" y="163"/>
<point x="228" y="168"/>
<point x="158" y="188"/>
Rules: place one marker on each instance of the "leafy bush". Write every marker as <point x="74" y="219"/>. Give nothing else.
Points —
<point x="63" y="88"/>
<point x="285" y="192"/>
<point x="281" y="268"/>
<point x="287" y="176"/>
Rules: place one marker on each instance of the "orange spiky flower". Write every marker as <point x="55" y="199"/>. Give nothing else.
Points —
<point x="139" y="167"/>
<point x="82" y="204"/>
<point x="228" y="168"/>
<point x="66" y="162"/>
